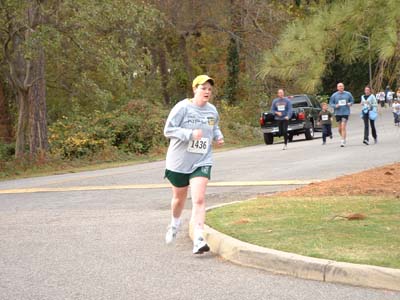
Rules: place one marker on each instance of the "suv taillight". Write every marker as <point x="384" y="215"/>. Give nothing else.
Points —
<point x="301" y="116"/>
<point x="262" y="122"/>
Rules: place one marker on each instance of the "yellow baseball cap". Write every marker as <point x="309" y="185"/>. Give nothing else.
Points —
<point x="201" y="79"/>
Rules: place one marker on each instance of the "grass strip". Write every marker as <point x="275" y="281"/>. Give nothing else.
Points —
<point x="318" y="227"/>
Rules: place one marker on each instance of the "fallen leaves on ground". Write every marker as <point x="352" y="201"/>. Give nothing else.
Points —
<point x="373" y="182"/>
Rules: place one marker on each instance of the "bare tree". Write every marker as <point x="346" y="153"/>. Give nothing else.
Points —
<point x="38" y="142"/>
<point x="26" y="73"/>
<point x="5" y="119"/>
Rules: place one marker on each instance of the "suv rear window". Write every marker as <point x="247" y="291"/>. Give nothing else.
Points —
<point x="299" y="102"/>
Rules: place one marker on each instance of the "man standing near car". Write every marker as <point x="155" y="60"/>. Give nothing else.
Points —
<point x="341" y="102"/>
<point x="282" y="110"/>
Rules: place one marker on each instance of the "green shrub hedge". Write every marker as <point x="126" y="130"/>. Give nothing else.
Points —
<point x="7" y="151"/>
<point x="135" y="128"/>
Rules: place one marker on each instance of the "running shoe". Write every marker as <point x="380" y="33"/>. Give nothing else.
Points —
<point x="200" y="246"/>
<point x="284" y="147"/>
<point x="323" y="143"/>
<point x="170" y="236"/>
<point x="342" y="143"/>
<point x="376" y="141"/>
<point x="366" y="142"/>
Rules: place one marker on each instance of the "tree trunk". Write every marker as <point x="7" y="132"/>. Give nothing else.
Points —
<point x="162" y="60"/>
<point x="23" y="115"/>
<point x="38" y="142"/>
<point x="5" y="118"/>
<point x="186" y="59"/>
<point x="233" y="59"/>
<point x="28" y="79"/>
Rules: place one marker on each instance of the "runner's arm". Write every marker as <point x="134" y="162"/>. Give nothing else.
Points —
<point x="374" y="103"/>
<point x="173" y="125"/>
<point x="290" y="110"/>
<point x="273" y="107"/>
<point x="332" y="102"/>
<point x="217" y="134"/>
<point x="351" y="100"/>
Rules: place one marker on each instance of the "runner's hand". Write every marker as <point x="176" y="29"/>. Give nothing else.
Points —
<point x="197" y="134"/>
<point x="220" y="142"/>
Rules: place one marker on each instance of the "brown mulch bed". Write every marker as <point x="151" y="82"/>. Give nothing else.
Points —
<point x="375" y="182"/>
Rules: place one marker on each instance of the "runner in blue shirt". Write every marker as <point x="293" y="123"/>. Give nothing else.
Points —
<point x="282" y="110"/>
<point x="341" y="102"/>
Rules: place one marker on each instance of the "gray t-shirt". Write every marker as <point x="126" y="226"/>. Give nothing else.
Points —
<point x="184" y="154"/>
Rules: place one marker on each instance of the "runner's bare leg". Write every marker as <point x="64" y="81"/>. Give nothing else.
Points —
<point x="344" y="133"/>
<point x="179" y="195"/>
<point x="198" y="187"/>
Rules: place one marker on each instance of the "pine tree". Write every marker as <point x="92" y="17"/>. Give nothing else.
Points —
<point x="340" y="31"/>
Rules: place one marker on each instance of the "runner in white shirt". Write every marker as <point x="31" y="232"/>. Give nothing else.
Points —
<point x="192" y="126"/>
<point x="381" y="98"/>
<point x="368" y="105"/>
<point x="389" y="98"/>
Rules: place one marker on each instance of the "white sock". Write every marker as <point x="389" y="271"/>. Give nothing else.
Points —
<point x="198" y="233"/>
<point x="175" y="222"/>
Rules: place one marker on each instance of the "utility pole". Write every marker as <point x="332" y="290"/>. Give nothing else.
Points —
<point x="369" y="56"/>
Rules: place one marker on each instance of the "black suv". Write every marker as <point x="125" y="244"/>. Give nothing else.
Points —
<point x="304" y="120"/>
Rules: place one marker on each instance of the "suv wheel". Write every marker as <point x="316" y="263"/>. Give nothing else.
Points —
<point x="268" y="138"/>
<point x="309" y="133"/>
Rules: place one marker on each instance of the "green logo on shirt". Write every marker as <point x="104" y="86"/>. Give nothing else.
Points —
<point x="211" y="121"/>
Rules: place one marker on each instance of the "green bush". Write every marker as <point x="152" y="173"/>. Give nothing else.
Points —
<point x="239" y="124"/>
<point x="135" y="128"/>
<point x="7" y="151"/>
<point x="323" y="98"/>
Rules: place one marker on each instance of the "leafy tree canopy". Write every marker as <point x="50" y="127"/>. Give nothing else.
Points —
<point x="338" y="32"/>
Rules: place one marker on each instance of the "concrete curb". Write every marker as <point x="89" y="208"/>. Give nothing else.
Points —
<point x="297" y="265"/>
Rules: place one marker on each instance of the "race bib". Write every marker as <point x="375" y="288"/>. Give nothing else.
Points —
<point x="200" y="146"/>
<point x="281" y="107"/>
<point x="324" y="117"/>
<point x="342" y="102"/>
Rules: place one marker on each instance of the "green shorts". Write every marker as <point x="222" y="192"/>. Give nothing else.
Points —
<point x="182" y="180"/>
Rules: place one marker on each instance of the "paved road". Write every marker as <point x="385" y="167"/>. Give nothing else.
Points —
<point x="108" y="244"/>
